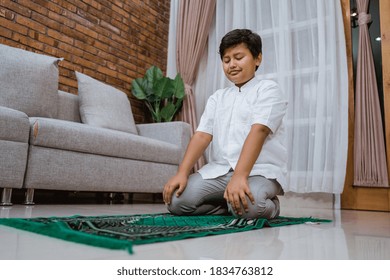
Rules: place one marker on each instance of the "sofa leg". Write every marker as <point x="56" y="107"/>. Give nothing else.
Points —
<point x="6" y="197"/>
<point x="29" y="197"/>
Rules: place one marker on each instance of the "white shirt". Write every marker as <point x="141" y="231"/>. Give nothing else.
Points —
<point x="228" y="117"/>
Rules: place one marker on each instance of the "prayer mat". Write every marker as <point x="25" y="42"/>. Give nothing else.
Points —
<point x="124" y="231"/>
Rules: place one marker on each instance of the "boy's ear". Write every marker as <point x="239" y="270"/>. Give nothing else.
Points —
<point x="259" y="59"/>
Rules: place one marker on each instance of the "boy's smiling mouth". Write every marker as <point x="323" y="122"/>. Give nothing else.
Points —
<point x="234" y="72"/>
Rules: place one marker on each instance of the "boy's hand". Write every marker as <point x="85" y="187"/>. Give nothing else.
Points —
<point x="179" y="181"/>
<point x="236" y="192"/>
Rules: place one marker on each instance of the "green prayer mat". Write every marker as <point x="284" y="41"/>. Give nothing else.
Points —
<point x="123" y="231"/>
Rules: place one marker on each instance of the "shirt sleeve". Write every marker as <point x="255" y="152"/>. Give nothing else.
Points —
<point x="270" y="106"/>
<point x="206" y="122"/>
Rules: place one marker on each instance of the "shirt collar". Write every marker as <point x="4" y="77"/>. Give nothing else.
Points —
<point x="249" y="84"/>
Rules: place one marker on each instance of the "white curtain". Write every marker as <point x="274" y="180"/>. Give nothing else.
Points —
<point x="304" y="51"/>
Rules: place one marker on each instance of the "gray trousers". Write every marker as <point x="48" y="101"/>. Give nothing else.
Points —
<point x="205" y="197"/>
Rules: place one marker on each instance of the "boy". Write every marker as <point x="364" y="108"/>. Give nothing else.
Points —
<point x="244" y="125"/>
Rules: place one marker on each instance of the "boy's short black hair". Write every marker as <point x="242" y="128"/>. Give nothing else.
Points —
<point x="238" y="36"/>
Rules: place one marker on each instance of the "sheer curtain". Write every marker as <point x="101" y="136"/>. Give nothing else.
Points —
<point x="304" y="51"/>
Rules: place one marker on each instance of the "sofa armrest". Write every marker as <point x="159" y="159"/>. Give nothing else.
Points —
<point x="14" y="125"/>
<point x="177" y="133"/>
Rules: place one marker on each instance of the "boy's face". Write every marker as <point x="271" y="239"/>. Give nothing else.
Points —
<point x="239" y="64"/>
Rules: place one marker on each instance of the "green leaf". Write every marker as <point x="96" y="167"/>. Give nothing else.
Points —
<point x="167" y="112"/>
<point x="153" y="74"/>
<point x="178" y="87"/>
<point x="163" y="88"/>
<point x="138" y="88"/>
<point x="178" y="104"/>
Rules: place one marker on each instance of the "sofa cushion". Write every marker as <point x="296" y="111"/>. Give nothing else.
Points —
<point x="65" y="135"/>
<point x="104" y="106"/>
<point x="68" y="107"/>
<point x="29" y="82"/>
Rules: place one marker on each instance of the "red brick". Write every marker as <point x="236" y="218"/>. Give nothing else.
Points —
<point x="7" y="14"/>
<point x="110" y="27"/>
<point x="18" y="9"/>
<point x="12" y="26"/>
<point x="34" y="6"/>
<point x="60" y="36"/>
<point x="30" y="24"/>
<point x="6" y="33"/>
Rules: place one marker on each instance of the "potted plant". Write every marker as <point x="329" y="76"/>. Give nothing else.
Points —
<point x="163" y="96"/>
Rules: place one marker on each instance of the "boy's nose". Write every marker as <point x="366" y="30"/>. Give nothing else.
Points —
<point x="232" y="64"/>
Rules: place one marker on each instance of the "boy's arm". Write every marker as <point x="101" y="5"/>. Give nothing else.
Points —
<point x="238" y="189"/>
<point x="198" y="144"/>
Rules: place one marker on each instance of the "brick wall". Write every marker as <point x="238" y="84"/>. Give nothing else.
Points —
<point x="114" y="41"/>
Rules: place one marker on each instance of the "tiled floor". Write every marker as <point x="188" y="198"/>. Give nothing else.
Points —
<point x="351" y="235"/>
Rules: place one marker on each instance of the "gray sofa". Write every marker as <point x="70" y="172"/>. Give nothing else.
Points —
<point x="54" y="140"/>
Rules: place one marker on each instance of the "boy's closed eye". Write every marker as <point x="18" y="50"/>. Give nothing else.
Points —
<point x="236" y="57"/>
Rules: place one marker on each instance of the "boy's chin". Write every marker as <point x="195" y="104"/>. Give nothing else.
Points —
<point x="235" y="81"/>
